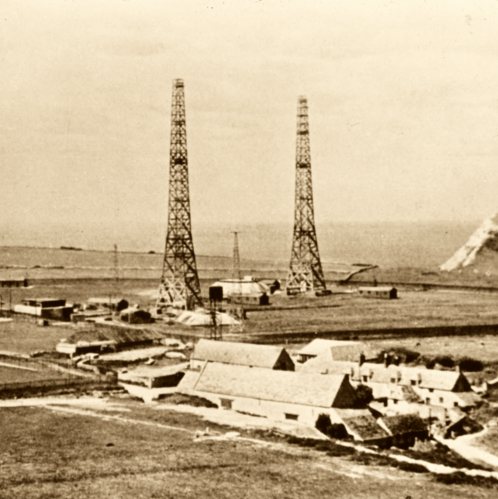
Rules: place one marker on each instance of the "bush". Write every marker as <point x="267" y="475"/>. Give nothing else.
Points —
<point x="470" y="364"/>
<point x="363" y="395"/>
<point x="324" y="425"/>
<point x="445" y="361"/>
<point x="404" y="355"/>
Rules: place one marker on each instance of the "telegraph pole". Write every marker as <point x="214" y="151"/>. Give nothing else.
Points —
<point x="236" y="274"/>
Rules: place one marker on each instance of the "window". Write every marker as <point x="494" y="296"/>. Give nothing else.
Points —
<point x="393" y="380"/>
<point x="441" y="400"/>
<point x="226" y="403"/>
<point x="431" y="390"/>
<point x="292" y="417"/>
<point x="413" y="382"/>
<point x="365" y="378"/>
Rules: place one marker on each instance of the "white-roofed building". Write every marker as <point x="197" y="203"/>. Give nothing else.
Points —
<point x="399" y="384"/>
<point x="277" y="395"/>
<point x="242" y="354"/>
<point x="331" y="350"/>
<point x="246" y="287"/>
<point x="201" y="317"/>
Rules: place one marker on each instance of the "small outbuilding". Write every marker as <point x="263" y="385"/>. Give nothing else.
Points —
<point x="46" y="308"/>
<point x="383" y="292"/>
<point x="245" y="286"/>
<point x="334" y="350"/>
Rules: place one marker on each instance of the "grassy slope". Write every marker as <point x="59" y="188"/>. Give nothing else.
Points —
<point x="56" y="455"/>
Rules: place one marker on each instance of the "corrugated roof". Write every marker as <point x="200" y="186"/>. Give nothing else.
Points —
<point x="380" y="289"/>
<point x="265" y="384"/>
<point x="243" y="354"/>
<point x="245" y="286"/>
<point x="154" y="371"/>
<point x="201" y="317"/>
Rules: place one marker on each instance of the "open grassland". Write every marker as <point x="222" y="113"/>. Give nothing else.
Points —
<point x="24" y="336"/>
<point x="15" y="375"/>
<point x="484" y="348"/>
<point x="66" y="454"/>
<point x="287" y="315"/>
<point x="352" y="312"/>
<point x="308" y="314"/>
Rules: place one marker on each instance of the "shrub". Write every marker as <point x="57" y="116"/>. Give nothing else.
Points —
<point x="404" y="355"/>
<point x="363" y="395"/>
<point x="445" y="361"/>
<point x="470" y="364"/>
<point x="324" y="425"/>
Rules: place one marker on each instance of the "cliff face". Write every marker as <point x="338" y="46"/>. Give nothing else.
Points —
<point x="480" y="252"/>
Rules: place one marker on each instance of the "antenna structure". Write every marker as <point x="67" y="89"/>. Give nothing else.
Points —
<point x="236" y="273"/>
<point x="179" y="285"/>
<point x="305" y="269"/>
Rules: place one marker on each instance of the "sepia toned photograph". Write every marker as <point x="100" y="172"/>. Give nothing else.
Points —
<point x="249" y="249"/>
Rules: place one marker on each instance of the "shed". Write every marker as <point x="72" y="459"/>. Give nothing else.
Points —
<point x="242" y="354"/>
<point x="245" y="286"/>
<point x="363" y="427"/>
<point x="134" y="315"/>
<point x="154" y="377"/>
<point x="384" y="292"/>
<point x="204" y="318"/>
<point x="405" y="429"/>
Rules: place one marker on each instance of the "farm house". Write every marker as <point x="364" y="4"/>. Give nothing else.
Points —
<point x="393" y="383"/>
<point x="274" y="394"/>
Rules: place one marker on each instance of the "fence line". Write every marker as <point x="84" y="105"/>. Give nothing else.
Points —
<point x="47" y="383"/>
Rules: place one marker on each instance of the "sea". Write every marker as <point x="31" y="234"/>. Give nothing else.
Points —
<point x="39" y="251"/>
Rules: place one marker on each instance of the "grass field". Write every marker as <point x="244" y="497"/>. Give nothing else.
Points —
<point x="338" y="312"/>
<point x="54" y="454"/>
<point x="13" y="375"/>
<point x="484" y="348"/>
<point x="24" y="336"/>
<point x="346" y="312"/>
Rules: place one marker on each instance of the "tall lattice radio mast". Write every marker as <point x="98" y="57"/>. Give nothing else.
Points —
<point x="179" y="282"/>
<point x="305" y="270"/>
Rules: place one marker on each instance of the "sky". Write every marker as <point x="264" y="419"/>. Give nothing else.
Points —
<point x="403" y="102"/>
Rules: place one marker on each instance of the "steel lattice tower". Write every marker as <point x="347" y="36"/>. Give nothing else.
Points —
<point x="179" y="282"/>
<point x="305" y="271"/>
